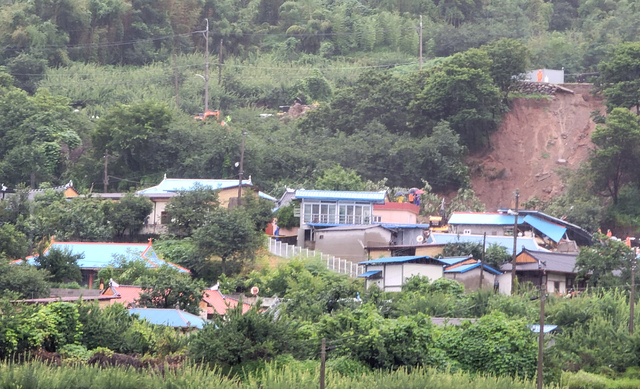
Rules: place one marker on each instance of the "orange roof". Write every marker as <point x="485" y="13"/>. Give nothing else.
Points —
<point x="127" y="294"/>
<point x="216" y="301"/>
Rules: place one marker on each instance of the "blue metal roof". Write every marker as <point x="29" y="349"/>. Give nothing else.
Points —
<point x="393" y="260"/>
<point x="377" y="197"/>
<point x="101" y="255"/>
<point x="536" y="328"/>
<point x="504" y="241"/>
<point x="169" y="317"/>
<point x="471" y="266"/>
<point x="171" y="185"/>
<point x="267" y="197"/>
<point x="552" y="230"/>
<point x="369" y="273"/>
<point x="476" y="218"/>
<point x="453" y="260"/>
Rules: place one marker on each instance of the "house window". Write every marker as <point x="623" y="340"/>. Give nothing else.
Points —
<point x="494" y="233"/>
<point x="508" y="231"/>
<point x="320" y="213"/>
<point x="164" y="217"/>
<point x="377" y="219"/>
<point x="466" y="232"/>
<point x="556" y="286"/>
<point x="354" y="214"/>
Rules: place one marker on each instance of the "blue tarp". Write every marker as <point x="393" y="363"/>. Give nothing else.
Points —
<point x="471" y="266"/>
<point x="504" y="241"/>
<point x="369" y="273"/>
<point x="377" y="197"/>
<point x="475" y="218"/>
<point x="554" y="231"/>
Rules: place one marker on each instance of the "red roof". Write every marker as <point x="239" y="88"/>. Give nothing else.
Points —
<point x="216" y="301"/>
<point x="390" y="206"/>
<point x="126" y="294"/>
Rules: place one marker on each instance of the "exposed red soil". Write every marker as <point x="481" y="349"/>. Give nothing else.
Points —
<point x="535" y="139"/>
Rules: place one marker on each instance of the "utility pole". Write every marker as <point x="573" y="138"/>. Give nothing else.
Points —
<point x="543" y="295"/>
<point x="105" y="180"/>
<point x="175" y="77"/>
<point x="515" y="244"/>
<point x="420" y="42"/>
<point x="220" y="63"/>
<point x="323" y="357"/>
<point x="632" y="297"/>
<point x="244" y="133"/>
<point x="484" y="248"/>
<point x="206" y="69"/>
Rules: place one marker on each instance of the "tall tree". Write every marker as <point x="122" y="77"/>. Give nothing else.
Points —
<point x="615" y="159"/>
<point x="166" y="288"/>
<point x="190" y="209"/>
<point x="620" y="77"/>
<point x="509" y="61"/>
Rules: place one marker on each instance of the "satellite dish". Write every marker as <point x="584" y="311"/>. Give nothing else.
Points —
<point x="419" y="238"/>
<point x="254" y="290"/>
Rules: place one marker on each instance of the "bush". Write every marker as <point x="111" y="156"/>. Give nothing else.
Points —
<point x="584" y="380"/>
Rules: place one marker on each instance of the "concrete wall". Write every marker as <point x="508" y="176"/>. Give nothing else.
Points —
<point x="431" y="250"/>
<point x="548" y="75"/>
<point x="407" y="236"/>
<point x="393" y="277"/>
<point x="350" y="244"/>
<point x="505" y="282"/>
<point x="471" y="279"/>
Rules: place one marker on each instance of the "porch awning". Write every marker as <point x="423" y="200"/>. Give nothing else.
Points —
<point x="554" y="231"/>
<point x="370" y="273"/>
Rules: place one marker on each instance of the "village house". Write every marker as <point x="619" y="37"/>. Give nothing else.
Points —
<point x="531" y="265"/>
<point x="468" y="271"/>
<point x="213" y="302"/>
<point x="160" y="195"/>
<point x="98" y="255"/>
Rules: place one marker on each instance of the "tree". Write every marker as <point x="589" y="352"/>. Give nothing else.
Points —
<point x="338" y="178"/>
<point x="13" y="243"/>
<point x="620" y="77"/>
<point x="25" y="280"/>
<point x="190" y="209"/>
<point x="167" y="288"/>
<point x="596" y="263"/>
<point x="258" y="210"/>
<point x="134" y="134"/>
<point x="615" y="159"/>
<point x="509" y="61"/>
<point x="128" y="214"/>
<point x="230" y="235"/>
<point x="62" y="264"/>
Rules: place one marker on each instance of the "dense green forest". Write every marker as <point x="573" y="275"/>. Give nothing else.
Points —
<point x="87" y="78"/>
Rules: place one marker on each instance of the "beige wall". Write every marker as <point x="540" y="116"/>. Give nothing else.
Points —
<point x="431" y="250"/>
<point x="395" y="216"/>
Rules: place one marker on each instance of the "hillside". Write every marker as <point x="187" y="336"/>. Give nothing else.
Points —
<point x="535" y="139"/>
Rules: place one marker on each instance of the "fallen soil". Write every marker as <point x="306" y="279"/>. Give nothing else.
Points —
<point x="535" y="139"/>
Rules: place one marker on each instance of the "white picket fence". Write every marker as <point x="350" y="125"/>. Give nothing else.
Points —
<point x="333" y="263"/>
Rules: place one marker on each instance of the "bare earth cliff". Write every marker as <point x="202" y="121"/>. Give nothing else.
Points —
<point x="534" y="140"/>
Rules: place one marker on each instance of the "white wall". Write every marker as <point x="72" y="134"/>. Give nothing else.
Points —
<point x="505" y="283"/>
<point x="416" y="269"/>
<point x="393" y="275"/>
<point x="556" y="277"/>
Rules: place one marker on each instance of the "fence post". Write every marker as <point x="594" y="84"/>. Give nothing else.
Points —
<point x="307" y="253"/>
<point x="286" y="251"/>
<point x="328" y="257"/>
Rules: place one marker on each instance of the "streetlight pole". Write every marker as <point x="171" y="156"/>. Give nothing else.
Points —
<point x="515" y="245"/>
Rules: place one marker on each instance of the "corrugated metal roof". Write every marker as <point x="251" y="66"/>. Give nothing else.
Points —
<point x="552" y="230"/>
<point x="554" y="262"/>
<point x="267" y="197"/>
<point x="169" y="185"/>
<point x="404" y="225"/>
<point x="169" y="317"/>
<point x="471" y="266"/>
<point x="453" y="260"/>
<point x="504" y="241"/>
<point x="394" y="260"/>
<point x="341" y="195"/>
<point x="369" y="273"/>
<point x="480" y="218"/>
<point x="100" y="255"/>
